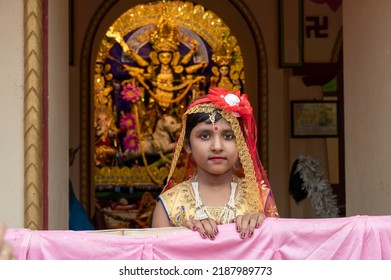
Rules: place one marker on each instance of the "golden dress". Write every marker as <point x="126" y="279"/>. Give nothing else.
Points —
<point x="179" y="203"/>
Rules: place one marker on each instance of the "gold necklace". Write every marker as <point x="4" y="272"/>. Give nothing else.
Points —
<point x="202" y="212"/>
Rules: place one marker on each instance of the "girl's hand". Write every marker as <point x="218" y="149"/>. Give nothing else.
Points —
<point x="246" y="224"/>
<point x="207" y="228"/>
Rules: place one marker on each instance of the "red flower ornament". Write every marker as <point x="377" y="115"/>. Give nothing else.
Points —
<point x="231" y="102"/>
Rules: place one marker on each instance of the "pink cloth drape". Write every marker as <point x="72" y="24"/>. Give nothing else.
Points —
<point x="358" y="237"/>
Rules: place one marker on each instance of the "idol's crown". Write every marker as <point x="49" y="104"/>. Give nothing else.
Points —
<point x="165" y="36"/>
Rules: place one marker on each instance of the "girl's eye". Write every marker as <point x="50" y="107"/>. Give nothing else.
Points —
<point x="229" y="136"/>
<point x="204" y="135"/>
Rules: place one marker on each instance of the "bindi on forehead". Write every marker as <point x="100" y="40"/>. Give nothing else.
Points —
<point x="219" y="125"/>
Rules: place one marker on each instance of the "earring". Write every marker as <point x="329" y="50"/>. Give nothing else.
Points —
<point x="187" y="149"/>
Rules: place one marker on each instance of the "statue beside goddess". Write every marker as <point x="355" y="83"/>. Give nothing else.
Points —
<point x="106" y="142"/>
<point x="228" y="72"/>
<point x="105" y="129"/>
<point x="102" y="86"/>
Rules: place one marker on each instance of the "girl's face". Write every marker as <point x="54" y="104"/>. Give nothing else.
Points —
<point x="214" y="151"/>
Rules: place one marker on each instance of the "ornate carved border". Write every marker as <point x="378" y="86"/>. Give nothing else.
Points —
<point x="86" y="154"/>
<point x="33" y="114"/>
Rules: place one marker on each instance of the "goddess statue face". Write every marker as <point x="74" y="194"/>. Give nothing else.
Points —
<point x="165" y="57"/>
<point x="103" y="121"/>
<point x="98" y="68"/>
<point x="224" y="70"/>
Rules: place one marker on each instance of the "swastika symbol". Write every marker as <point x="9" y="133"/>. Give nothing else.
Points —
<point x="317" y="27"/>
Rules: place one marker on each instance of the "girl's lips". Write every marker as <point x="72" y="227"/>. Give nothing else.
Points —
<point x="217" y="158"/>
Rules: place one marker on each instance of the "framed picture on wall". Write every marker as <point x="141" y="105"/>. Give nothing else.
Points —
<point x="314" y="118"/>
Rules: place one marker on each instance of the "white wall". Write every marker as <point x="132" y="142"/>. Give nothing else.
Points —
<point x="58" y="76"/>
<point x="11" y="108"/>
<point x="367" y="70"/>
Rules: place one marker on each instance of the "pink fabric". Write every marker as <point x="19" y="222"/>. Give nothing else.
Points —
<point x="352" y="238"/>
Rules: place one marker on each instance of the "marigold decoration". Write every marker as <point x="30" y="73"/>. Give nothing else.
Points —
<point x="131" y="142"/>
<point x="130" y="93"/>
<point x="128" y="122"/>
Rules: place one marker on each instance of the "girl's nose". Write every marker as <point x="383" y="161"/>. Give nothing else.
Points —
<point x="217" y="144"/>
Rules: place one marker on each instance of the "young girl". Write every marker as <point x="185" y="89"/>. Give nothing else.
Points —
<point x="229" y="183"/>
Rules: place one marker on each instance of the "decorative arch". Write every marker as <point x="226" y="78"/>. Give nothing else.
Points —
<point x="89" y="54"/>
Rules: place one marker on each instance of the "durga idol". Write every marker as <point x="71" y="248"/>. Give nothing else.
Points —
<point x="168" y="77"/>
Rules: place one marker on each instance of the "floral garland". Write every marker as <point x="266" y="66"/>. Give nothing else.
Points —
<point x="316" y="186"/>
